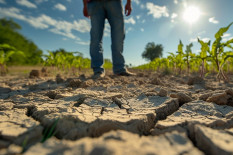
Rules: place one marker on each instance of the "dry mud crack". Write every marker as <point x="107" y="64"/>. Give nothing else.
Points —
<point x="144" y="114"/>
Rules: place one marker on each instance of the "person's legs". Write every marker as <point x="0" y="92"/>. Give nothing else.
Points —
<point x="114" y="14"/>
<point x="97" y="15"/>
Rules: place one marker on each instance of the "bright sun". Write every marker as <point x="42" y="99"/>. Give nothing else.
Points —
<point x="191" y="14"/>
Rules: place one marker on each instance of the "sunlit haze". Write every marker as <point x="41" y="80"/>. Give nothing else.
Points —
<point x="191" y="14"/>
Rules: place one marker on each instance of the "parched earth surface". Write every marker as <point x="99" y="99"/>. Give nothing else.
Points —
<point x="144" y="114"/>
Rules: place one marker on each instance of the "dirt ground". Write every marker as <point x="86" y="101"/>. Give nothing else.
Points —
<point x="149" y="113"/>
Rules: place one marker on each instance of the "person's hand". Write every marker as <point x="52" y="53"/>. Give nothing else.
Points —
<point x="128" y="8"/>
<point x="85" y="12"/>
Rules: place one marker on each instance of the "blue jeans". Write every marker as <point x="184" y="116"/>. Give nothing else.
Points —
<point x="111" y="10"/>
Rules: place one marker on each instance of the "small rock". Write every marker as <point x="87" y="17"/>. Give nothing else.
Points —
<point x="59" y="79"/>
<point x="58" y="96"/>
<point x="140" y="74"/>
<point x="205" y="96"/>
<point x="6" y="106"/>
<point x="4" y="90"/>
<point x="156" y="81"/>
<point x="150" y="94"/>
<point x="75" y="83"/>
<point x="229" y="92"/>
<point x="219" y="98"/>
<point x="34" y="74"/>
<point x="87" y="83"/>
<point x="173" y="95"/>
<point x="162" y="92"/>
<point x="44" y="71"/>
<point x="12" y="149"/>
<point x="82" y="77"/>
<point x="4" y="144"/>
<point x="183" y="98"/>
<point x="52" y="94"/>
<point x="195" y="80"/>
<point x="120" y="102"/>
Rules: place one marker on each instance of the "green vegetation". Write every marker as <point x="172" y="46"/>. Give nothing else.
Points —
<point x="15" y="49"/>
<point x="49" y="131"/>
<point x="215" y="58"/>
<point x="152" y="51"/>
<point x="6" y="53"/>
<point x="9" y="34"/>
<point x="62" y="60"/>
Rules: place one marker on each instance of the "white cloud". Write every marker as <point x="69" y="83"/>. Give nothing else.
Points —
<point x="83" y="42"/>
<point x="136" y="1"/>
<point x="43" y="21"/>
<point x="138" y="17"/>
<point x="143" y="21"/>
<point x="26" y="3"/>
<point x="63" y="33"/>
<point x="173" y="16"/>
<point x="82" y="26"/>
<point x="203" y="39"/>
<point x="201" y="33"/>
<point x="2" y="2"/>
<point x="213" y="20"/>
<point x="157" y="11"/>
<point x="60" y="7"/>
<point x="226" y="35"/>
<point x="130" y="21"/>
<point x="129" y="29"/>
<point x="142" y="6"/>
<point x="176" y="1"/>
<point x="40" y="1"/>
<point x="107" y="30"/>
<point x="226" y="39"/>
<point x="11" y="12"/>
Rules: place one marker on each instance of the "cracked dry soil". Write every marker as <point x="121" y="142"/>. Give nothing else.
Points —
<point x="143" y="114"/>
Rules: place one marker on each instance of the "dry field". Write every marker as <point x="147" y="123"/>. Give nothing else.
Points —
<point x="144" y="114"/>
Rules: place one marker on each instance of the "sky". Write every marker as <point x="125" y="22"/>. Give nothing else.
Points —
<point x="54" y="24"/>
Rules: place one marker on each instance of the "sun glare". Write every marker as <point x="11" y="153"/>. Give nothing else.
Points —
<point x="191" y="14"/>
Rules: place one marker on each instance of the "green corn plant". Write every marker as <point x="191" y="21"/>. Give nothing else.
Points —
<point x="203" y="56"/>
<point x="107" y="64"/>
<point x="180" y="56"/>
<point x="194" y="63"/>
<point x="226" y="56"/>
<point x="157" y="64"/>
<point x="24" y="145"/>
<point x="49" y="59"/>
<point x="49" y="131"/>
<point x="6" y="52"/>
<point x="165" y="65"/>
<point x="172" y="61"/>
<point x="188" y="55"/>
<point x="217" y="51"/>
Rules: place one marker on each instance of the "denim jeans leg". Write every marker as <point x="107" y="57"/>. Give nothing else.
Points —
<point x="97" y="15"/>
<point x="115" y="18"/>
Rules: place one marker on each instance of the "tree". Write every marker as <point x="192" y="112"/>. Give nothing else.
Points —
<point x="9" y="35"/>
<point x="9" y="24"/>
<point x="152" y="51"/>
